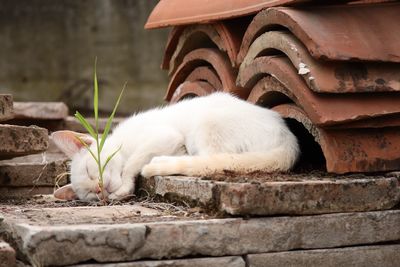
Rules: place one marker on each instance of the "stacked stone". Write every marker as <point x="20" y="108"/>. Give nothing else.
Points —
<point x="23" y="174"/>
<point x="53" y="116"/>
<point x="17" y="140"/>
<point x="23" y="171"/>
<point x="140" y="237"/>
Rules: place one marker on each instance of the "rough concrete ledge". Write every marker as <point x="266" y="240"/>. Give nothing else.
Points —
<point x="366" y="256"/>
<point x="40" y="110"/>
<point x="19" y="140"/>
<point x="200" y="262"/>
<point x="194" y="191"/>
<point x="71" y="244"/>
<point x="6" y="107"/>
<point x="69" y="123"/>
<point x="7" y="255"/>
<point x="7" y="192"/>
<point x="260" y="197"/>
<point x="46" y="169"/>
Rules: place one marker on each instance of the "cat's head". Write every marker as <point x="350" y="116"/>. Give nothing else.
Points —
<point x="84" y="171"/>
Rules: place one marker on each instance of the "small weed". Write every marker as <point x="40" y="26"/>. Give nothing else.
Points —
<point x="94" y="132"/>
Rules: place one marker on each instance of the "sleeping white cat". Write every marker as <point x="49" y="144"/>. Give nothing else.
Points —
<point x="195" y="137"/>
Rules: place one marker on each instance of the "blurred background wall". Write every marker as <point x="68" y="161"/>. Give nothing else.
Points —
<point x="48" y="49"/>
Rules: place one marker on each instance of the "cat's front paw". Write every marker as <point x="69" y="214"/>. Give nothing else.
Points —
<point x="121" y="193"/>
<point x="162" y="166"/>
<point x="150" y="170"/>
<point x="155" y="169"/>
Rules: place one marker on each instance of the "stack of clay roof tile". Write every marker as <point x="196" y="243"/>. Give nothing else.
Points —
<point x="333" y="68"/>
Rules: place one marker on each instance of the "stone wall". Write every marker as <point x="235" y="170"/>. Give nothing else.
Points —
<point x="48" y="49"/>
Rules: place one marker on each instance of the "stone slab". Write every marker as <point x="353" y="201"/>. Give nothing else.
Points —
<point x="199" y="262"/>
<point x="71" y="123"/>
<point x="365" y="256"/>
<point x="19" y="140"/>
<point x="7" y="192"/>
<point x="45" y="169"/>
<point x="295" y="195"/>
<point x="68" y="123"/>
<point x="52" y="243"/>
<point x="40" y="110"/>
<point x="7" y="255"/>
<point x="6" y="107"/>
<point x="193" y="191"/>
<point x="42" y="216"/>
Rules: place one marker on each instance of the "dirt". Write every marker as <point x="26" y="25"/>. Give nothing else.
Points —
<point x="44" y="209"/>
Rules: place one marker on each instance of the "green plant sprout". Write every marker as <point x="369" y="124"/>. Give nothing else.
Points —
<point x="95" y="132"/>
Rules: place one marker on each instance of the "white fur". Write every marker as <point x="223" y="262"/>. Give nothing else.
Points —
<point x="197" y="137"/>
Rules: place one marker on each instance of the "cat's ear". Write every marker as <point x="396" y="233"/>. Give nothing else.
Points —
<point x="68" y="142"/>
<point x="66" y="192"/>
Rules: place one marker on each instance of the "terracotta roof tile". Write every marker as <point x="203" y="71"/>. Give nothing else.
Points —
<point x="323" y="76"/>
<point x="205" y="57"/>
<point x="351" y="150"/>
<point x="322" y="109"/>
<point x="359" y="32"/>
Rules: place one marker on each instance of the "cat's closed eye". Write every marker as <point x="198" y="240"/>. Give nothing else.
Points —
<point x="91" y="177"/>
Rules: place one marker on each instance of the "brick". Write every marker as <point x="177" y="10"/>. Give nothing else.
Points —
<point x="52" y="242"/>
<point x="6" y="107"/>
<point x="365" y="256"/>
<point x="44" y="169"/>
<point x="304" y="195"/>
<point x="19" y="140"/>
<point x="40" y="110"/>
<point x="7" y="255"/>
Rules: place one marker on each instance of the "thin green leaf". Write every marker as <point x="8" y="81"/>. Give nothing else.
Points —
<point x="96" y="95"/>
<point x="85" y="124"/>
<point x="87" y="147"/>
<point x="110" y="119"/>
<point x="110" y="157"/>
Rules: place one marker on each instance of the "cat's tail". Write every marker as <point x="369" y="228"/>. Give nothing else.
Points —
<point x="273" y="160"/>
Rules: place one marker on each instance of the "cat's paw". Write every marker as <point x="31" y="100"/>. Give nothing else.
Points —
<point x="121" y="193"/>
<point x="164" y="166"/>
<point x="161" y="159"/>
<point x="160" y="168"/>
<point x="151" y="169"/>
